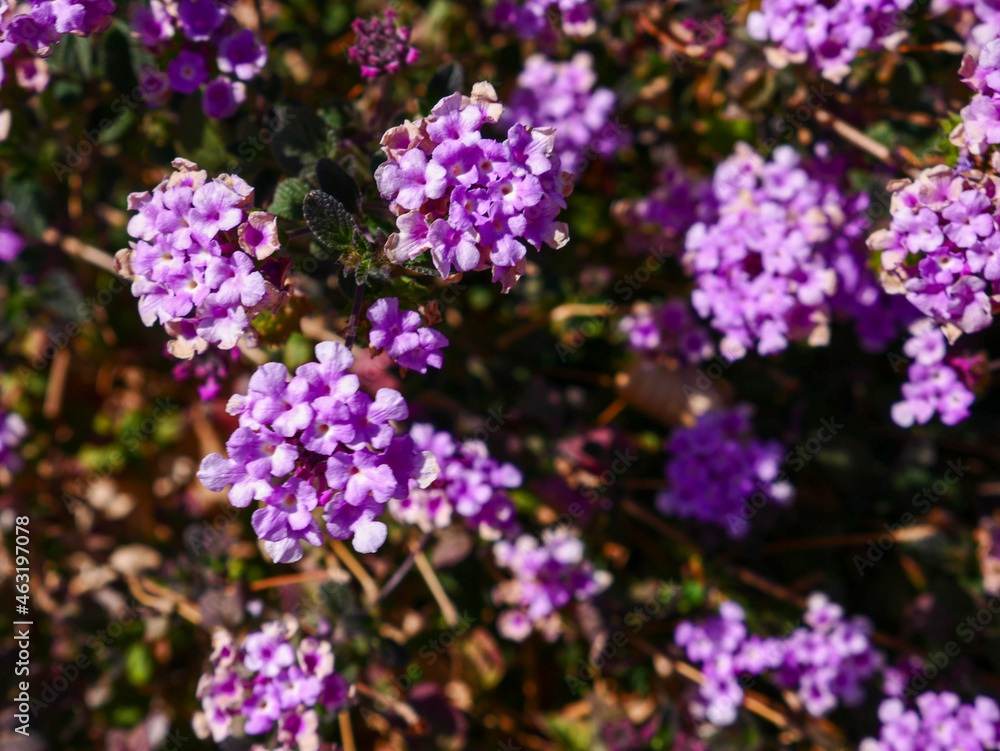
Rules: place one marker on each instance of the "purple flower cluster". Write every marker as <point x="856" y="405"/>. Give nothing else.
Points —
<point x="471" y="484"/>
<point x="661" y="219"/>
<point x="473" y="202"/>
<point x="980" y="126"/>
<point x="208" y="369"/>
<point x="785" y="253"/>
<point x="12" y="243"/>
<point x="828" y="659"/>
<point x="267" y="683"/>
<point x="717" y="469"/>
<point x="198" y="264"/>
<point x="562" y="96"/>
<point x="721" y="646"/>
<point x="667" y="329"/>
<point x="942" y="249"/>
<point x="381" y="46"/>
<point x="13" y="430"/>
<point x="404" y="340"/>
<point x="31" y="29"/>
<point x="828" y="35"/>
<point x="825" y="662"/>
<point x="207" y="32"/>
<point x="531" y="18"/>
<point x="548" y="574"/>
<point x="315" y="441"/>
<point x="940" y="722"/>
<point x="934" y="384"/>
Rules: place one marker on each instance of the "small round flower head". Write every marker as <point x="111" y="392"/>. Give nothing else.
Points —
<point x="187" y="72"/>
<point x="403" y="339"/>
<point x="268" y="685"/>
<point x="197" y="264"/>
<point x="939" y="722"/>
<point x="473" y="202"/>
<point x="563" y="96"/>
<point x="531" y="19"/>
<point x="828" y="660"/>
<point x="548" y="574"/>
<point x="721" y="646"/>
<point x="200" y="19"/>
<point x="936" y="381"/>
<point x="12" y="243"/>
<point x="785" y="254"/>
<point x="471" y="484"/>
<point x="667" y="329"/>
<point x="314" y="440"/>
<point x="381" y="46"/>
<point x="827" y="35"/>
<point x="716" y="469"/>
<point x="942" y="249"/>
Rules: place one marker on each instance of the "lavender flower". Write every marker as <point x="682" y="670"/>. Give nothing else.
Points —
<point x="940" y="722"/>
<point x="317" y="441"/>
<point x="784" y="255"/>
<point x="381" y="46"/>
<point x="548" y="575"/>
<point x="404" y="340"/>
<point x="473" y="202"/>
<point x="471" y="484"/>
<point x="562" y="96"/>
<point x="827" y="35"/>
<point x="192" y="266"/>
<point x="717" y="468"/>
<point x="269" y="685"/>
<point x="13" y="430"/>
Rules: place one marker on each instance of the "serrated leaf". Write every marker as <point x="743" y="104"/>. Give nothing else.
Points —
<point x="334" y="180"/>
<point x="329" y="221"/>
<point x="288" y="197"/>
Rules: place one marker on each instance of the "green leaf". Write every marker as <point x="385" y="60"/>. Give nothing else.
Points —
<point x="329" y="221"/>
<point x="288" y="197"/>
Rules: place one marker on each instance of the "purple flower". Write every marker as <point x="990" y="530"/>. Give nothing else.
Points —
<point x="403" y="339"/>
<point x="412" y="180"/>
<point x="241" y="55"/>
<point x="187" y="72"/>
<point x="222" y="97"/>
<point x="381" y="46"/>
<point x="199" y="19"/>
<point x="267" y="654"/>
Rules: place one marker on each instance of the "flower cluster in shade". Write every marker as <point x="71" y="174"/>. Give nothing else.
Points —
<point x="315" y="441"/>
<point x="532" y="19"/>
<point x="269" y="683"/>
<point x="826" y="661"/>
<point x="12" y="242"/>
<point x="827" y="35"/>
<point x="548" y="574"/>
<point x="471" y="484"/>
<point x="30" y="31"/>
<point x="13" y="430"/>
<point x="381" y="46"/>
<point x="200" y="261"/>
<point x="938" y="382"/>
<point x="473" y="202"/>
<point x="658" y="222"/>
<point x="668" y="329"/>
<point x="939" y="722"/>
<point x="562" y="95"/>
<point x="207" y="51"/>
<point x="401" y="336"/>
<point x="717" y="469"/>
<point x="786" y="254"/>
